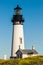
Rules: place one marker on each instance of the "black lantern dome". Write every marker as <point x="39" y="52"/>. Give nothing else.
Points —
<point x="17" y="18"/>
<point x="17" y="10"/>
<point x="17" y="7"/>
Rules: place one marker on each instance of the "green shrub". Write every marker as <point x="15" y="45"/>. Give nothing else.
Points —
<point x="36" y="60"/>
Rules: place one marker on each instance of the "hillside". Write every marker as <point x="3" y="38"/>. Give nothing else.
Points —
<point x="37" y="60"/>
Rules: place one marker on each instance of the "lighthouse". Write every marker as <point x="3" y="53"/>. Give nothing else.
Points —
<point x="18" y="32"/>
<point x="17" y="48"/>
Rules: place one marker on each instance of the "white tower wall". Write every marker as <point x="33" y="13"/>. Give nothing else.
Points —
<point x="18" y="38"/>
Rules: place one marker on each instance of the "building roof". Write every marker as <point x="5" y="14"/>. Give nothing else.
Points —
<point x="26" y="51"/>
<point x="17" y="8"/>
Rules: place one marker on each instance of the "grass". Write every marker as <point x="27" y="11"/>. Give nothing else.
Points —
<point x="36" y="60"/>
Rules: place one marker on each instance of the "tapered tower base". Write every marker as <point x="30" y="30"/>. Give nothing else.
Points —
<point x="18" y="39"/>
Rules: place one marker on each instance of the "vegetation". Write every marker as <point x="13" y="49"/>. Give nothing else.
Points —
<point x="37" y="60"/>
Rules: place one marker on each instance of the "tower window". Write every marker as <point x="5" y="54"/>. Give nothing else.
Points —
<point x="20" y="40"/>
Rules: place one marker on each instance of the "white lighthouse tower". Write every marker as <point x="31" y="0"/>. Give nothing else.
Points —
<point x="18" y="34"/>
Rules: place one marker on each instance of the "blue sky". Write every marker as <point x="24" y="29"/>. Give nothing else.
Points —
<point x="32" y="11"/>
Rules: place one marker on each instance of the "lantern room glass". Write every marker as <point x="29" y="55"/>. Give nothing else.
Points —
<point x="18" y="12"/>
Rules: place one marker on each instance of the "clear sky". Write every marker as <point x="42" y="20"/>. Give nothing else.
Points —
<point x="32" y="11"/>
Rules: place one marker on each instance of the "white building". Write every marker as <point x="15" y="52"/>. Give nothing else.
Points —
<point x="26" y="53"/>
